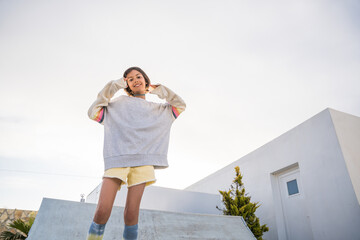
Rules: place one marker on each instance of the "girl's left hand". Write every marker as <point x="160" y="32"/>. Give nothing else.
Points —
<point x="152" y="87"/>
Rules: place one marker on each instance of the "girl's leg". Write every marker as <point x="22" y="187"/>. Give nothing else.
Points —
<point x="107" y="196"/>
<point x="108" y="192"/>
<point x="132" y="206"/>
<point x="131" y="212"/>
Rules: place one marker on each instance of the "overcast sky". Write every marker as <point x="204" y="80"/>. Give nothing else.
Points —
<point x="248" y="70"/>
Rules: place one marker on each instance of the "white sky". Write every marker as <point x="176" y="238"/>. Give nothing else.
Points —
<point x="248" y="71"/>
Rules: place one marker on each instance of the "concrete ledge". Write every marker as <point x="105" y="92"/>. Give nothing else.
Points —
<point x="67" y="220"/>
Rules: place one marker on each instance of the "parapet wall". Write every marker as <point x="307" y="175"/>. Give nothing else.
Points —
<point x="67" y="220"/>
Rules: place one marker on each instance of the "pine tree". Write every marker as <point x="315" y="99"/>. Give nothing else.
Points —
<point x="237" y="203"/>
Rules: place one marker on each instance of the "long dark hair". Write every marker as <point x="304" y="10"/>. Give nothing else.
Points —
<point x="147" y="79"/>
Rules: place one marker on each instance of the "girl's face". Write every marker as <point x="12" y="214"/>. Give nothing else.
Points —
<point x="136" y="82"/>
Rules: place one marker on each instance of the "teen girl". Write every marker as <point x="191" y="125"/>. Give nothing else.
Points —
<point x="136" y="139"/>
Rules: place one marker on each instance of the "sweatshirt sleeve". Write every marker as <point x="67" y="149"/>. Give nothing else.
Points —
<point x="96" y="110"/>
<point x="177" y="103"/>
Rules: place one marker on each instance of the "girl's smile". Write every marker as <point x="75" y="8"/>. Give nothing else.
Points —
<point x="136" y="83"/>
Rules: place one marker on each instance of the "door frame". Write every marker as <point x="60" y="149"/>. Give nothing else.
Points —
<point x="278" y="205"/>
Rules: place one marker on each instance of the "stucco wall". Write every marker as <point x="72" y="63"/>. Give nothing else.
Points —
<point x="348" y="132"/>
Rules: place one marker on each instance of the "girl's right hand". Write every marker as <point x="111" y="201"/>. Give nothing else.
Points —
<point x="122" y="82"/>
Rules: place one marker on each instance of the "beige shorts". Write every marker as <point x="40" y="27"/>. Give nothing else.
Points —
<point x="132" y="175"/>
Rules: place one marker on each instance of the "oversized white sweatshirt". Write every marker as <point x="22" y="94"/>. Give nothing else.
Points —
<point x="136" y="131"/>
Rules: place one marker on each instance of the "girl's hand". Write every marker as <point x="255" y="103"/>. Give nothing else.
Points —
<point x="122" y="83"/>
<point x="152" y="87"/>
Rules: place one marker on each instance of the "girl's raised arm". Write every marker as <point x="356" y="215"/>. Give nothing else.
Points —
<point x="177" y="103"/>
<point x="96" y="110"/>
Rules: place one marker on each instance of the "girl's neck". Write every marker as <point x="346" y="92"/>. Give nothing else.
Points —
<point x="139" y="95"/>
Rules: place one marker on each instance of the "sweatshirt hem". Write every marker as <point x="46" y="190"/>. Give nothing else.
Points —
<point x="159" y="161"/>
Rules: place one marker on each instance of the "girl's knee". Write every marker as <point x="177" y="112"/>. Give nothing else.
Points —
<point x="101" y="215"/>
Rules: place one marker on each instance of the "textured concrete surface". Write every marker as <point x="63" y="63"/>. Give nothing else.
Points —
<point x="66" y="220"/>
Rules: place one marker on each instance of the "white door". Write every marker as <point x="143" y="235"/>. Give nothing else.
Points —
<point x="297" y="223"/>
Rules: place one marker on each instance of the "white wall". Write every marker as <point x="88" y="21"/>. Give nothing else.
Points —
<point x="348" y="131"/>
<point x="331" y="202"/>
<point x="167" y="199"/>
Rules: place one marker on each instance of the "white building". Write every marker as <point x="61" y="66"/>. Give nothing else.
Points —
<point x="167" y="199"/>
<point x="306" y="180"/>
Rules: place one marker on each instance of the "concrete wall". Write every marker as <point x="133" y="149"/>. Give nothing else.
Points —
<point x="167" y="199"/>
<point x="67" y="220"/>
<point x="330" y="201"/>
<point x="348" y="132"/>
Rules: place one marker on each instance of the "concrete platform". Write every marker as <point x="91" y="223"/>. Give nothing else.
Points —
<point x="67" y="220"/>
